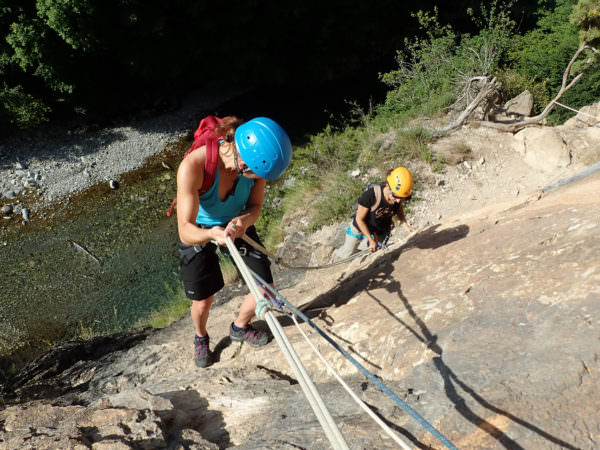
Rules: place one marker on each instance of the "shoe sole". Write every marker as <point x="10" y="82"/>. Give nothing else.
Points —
<point x="238" y="339"/>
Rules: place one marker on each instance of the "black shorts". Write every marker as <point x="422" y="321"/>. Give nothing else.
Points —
<point x="200" y="270"/>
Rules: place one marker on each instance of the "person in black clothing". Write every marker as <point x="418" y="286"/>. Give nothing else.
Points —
<point x="375" y="212"/>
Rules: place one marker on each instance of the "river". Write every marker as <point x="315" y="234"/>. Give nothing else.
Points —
<point x="96" y="264"/>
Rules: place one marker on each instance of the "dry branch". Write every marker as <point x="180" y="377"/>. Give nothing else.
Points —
<point x="485" y="92"/>
<point x="539" y="119"/>
<point x="490" y="86"/>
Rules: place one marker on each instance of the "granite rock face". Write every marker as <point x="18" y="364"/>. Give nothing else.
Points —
<point x="487" y="325"/>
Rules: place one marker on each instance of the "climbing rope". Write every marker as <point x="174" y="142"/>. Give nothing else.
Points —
<point x="281" y="308"/>
<point x="340" y="380"/>
<point x="365" y="372"/>
<point x="262" y="310"/>
<point x="277" y="260"/>
<point x="580" y="112"/>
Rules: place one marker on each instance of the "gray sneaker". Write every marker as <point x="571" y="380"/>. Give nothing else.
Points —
<point x="249" y="334"/>
<point x="201" y="352"/>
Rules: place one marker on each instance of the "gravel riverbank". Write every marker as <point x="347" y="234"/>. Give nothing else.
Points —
<point x="53" y="163"/>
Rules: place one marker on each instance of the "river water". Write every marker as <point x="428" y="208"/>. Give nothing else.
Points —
<point x="97" y="263"/>
<point x="106" y="258"/>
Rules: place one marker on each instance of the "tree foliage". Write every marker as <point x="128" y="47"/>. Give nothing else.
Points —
<point x="96" y="58"/>
<point x="544" y="53"/>
<point x="434" y="69"/>
<point x="100" y="57"/>
<point x="586" y="16"/>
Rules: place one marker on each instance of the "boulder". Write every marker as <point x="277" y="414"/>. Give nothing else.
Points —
<point x="588" y="116"/>
<point x="521" y="105"/>
<point x="542" y="148"/>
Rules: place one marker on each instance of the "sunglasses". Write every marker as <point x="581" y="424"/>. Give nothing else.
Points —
<point x="401" y="198"/>
<point x="237" y="165"/>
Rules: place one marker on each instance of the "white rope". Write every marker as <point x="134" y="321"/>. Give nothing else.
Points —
<point x="310" y="391"/>
<point x="278" y="260"/>
<point x="579" y="112"/>
<point x="362" y="404"/>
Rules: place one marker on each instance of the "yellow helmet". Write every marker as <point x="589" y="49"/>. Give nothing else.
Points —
<point x="400" y="182"/>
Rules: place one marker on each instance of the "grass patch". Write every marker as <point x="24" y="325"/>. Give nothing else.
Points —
<point x="174" y="310"/>
<point x="179" y="304"/>
<point x="321" y="189"/>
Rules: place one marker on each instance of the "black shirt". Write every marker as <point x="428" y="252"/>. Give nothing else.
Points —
<point x="379" y="221"/>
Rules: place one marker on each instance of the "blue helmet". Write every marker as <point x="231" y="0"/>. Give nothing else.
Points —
<point x="264" y="146"/>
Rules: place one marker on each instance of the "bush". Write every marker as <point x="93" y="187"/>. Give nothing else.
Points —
<point x="433" y="70"/>
<point x="20" y="109"/>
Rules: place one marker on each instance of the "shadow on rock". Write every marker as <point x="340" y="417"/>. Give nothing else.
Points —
<point x="363" y="278"/>
<point x="432" y="239"/>
<point x="190" y="412"/>
<point x="451" y="381"/>
<point x="55" y="373"/>
<point x="219" y="348"/>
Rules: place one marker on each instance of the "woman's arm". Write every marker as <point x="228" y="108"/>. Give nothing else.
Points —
<point x="190" y="176"/>
<point x="402" y="217"/>
<point x="238" y="225"/>
<point x="361" y="221"/>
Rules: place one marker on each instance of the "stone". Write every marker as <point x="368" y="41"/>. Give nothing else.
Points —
<point x="521" y="105"/>
<point x="588" y="116"/>
<point x="542" y="148"/>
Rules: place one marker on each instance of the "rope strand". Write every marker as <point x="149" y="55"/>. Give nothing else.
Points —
<point x="360" y="403"/>
<point x="310" y="391"/>
<point x="359" y="366"/>
<point x="277" y="260"/>
<point x="580" y="112"/>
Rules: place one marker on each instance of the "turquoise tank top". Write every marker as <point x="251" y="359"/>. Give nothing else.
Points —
<point x="212" y="211"/>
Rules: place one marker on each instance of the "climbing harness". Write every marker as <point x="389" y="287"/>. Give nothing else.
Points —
<point x="357" y="236"/>
<point x="263" y="310"/>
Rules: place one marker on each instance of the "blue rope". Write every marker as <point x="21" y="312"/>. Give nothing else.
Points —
<point x="359" y="366"/>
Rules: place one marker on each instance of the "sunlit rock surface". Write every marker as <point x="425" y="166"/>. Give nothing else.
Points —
<point x="487" y="325"/>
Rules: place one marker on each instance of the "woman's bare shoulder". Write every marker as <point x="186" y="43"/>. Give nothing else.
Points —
<point x="191" y="168"/>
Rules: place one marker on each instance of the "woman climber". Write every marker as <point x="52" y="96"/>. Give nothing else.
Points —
<point x="375" y="210"/>
<point x="247" y="155"/>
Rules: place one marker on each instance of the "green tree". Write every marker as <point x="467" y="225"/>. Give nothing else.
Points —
<point x="435" y="69"/>
<point x="21" y="103"/>
<point x="559" y="52"/>
<point x="586" y="16"/>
